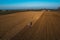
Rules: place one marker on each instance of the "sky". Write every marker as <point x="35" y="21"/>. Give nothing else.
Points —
<point x="29" y="4"/>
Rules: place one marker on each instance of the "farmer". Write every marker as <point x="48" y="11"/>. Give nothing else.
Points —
<point x="30" y="24"/>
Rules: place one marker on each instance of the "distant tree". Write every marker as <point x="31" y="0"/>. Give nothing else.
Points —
<point x="0" y="10"/>
<point x="58" y="8"/>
